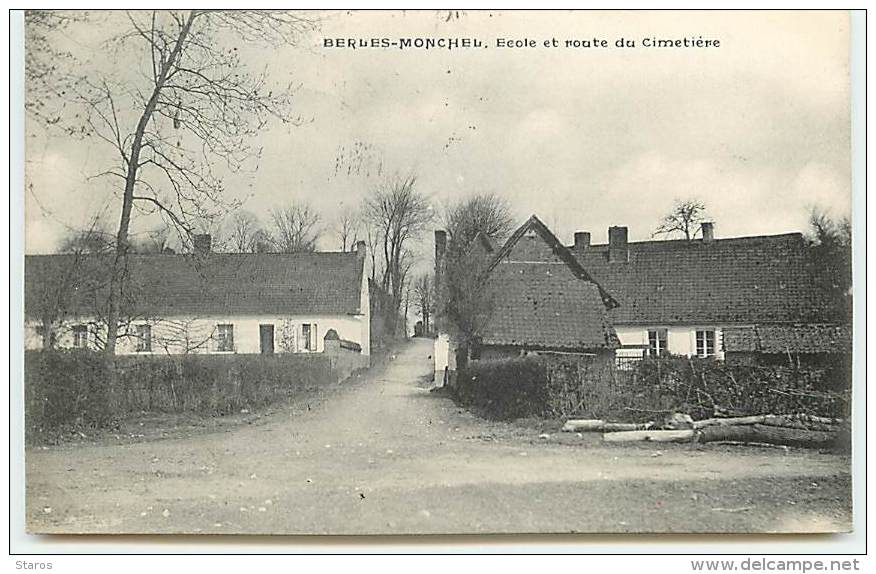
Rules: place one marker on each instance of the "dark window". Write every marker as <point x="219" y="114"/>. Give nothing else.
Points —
<point x="80" y="336"/>
<point x="224" y="337"/>
<point x="657" y="342"/>
<point x="144" y="338"/>
<point x="705" y="343"/>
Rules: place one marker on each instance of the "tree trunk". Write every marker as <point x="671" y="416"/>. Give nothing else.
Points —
<point x="121" y="253"/>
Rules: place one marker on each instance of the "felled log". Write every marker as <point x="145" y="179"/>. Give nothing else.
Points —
<point x="650" y="436"/>
<point x="597" y="425"/>
<point x="732" y="421"/>
<point x="758" y="433"/>
<point x="583" y="425"/>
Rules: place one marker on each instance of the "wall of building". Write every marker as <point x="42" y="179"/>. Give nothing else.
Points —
<point x="680" y="339"/>
<point x="198" y="334"/>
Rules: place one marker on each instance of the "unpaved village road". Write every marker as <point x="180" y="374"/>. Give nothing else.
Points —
<point x="383" y="455"/>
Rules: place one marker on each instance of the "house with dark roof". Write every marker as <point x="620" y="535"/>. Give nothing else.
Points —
<point x="743" y="298"/>
<point x="541" y="300"/>
<point x="726" y="298"/>
<point x="205" y="302"/>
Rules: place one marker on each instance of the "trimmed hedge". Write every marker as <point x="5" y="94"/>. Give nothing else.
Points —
<point x="504" y="388"/>
<point x="74" y="389"/>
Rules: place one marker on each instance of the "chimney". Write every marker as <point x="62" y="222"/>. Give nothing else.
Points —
<point x="202" y="243"/>
<point x="582" y="240"/>
<point x="360" y="249"/>
<point x="440" y="247"/>
<point x="618" y="251"/>
<point x="708" y="228"/>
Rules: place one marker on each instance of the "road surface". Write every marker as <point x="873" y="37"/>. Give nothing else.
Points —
<point x="382" y="455"/>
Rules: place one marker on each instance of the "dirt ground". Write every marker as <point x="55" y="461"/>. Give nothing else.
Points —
<point x="382" y="455"/>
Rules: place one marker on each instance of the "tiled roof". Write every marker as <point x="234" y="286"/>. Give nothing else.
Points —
<point x="762" y="279"/>
<point x="811" y="338"/>
<point x="215" y="284"/>
<point x="544" y="301"/>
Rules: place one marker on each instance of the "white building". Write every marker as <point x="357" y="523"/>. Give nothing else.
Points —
<point x="203" y="303"/>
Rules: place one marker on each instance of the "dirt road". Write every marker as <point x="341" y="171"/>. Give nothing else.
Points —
<point x="383" y="455"/>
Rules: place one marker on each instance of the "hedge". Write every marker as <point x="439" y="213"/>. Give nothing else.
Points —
<point x="73" y="389"/>
<point x="504" y="388"/>
<point x="568" y="386"/>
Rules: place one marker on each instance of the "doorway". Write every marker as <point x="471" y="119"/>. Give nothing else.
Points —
<point x="266" y="339"/>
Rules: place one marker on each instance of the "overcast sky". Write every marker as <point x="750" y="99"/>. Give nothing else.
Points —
<point x="758" y="128"/>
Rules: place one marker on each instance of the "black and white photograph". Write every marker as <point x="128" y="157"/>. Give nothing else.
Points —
<point x="438" y="272"/>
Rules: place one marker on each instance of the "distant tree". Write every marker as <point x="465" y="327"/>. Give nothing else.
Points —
<point x="155" y="241"/>
<point x="424" y="299"/>
<point x="347" y="228"/>
<point x="485" y="213"/>
<point x="686" y="219"/>
<point x="244" y="233"/>
<point x="830" y="247"/>
<point x="396" y="214"/>
<point x="295" y="228"/>
<point x="96" y="238"/>
<point x="465" y="300"/>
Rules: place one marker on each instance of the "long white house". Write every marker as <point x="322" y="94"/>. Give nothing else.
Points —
<point x="202" y="303"/>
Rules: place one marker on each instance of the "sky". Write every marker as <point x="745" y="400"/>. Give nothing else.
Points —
<point x="758" y="128"/>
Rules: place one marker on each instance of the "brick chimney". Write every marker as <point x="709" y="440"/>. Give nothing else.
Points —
<point x="618" y="250"/>
<point x="708" y="228"/>
<point x="582" y="240"/>
<point x="360" y="249"/>
<point x="202" y="243"/>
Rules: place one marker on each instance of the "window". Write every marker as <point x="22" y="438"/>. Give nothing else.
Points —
<point x="656" y="342"/>
<point x="144" y="338"/>
<point x="307" y="336"/>
<point x="224" y="337"/>
<point x="705" y="343"/>
<point x="80" y="336"/>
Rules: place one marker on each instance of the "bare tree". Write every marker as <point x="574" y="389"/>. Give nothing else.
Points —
<point x="424" y="300"/>
<point x="686" y="218"/>
<point x="46" y="62"/>
<point x="155" y="241"/>
<point x="398" y="214"/>
<point x="347" y="228"/>
<point x="295" y="228"/>
<point x="193" y="107"/>
<point x="244" y="233"/>
<point x="485" y="213"/>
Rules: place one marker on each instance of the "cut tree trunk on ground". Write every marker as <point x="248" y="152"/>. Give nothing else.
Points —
<point x="757" y="433"/>
<point x="597" y="425"/>
<point x="733" y="421"/>
<point x="650" y="436"/>
<point x="583" y="425"/>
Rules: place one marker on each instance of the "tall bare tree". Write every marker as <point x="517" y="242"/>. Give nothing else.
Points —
<point x="347" y="228"/>
<point x="295" y="228"/>
<point x="424" y="300"/>
<point x="180" y="102"/>
<point x="686" y="218"/>
<point x="398" y="214"/>
<point x="244" y="233"/>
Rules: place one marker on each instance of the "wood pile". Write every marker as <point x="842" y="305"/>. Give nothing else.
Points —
<point x="788" y="430"/>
